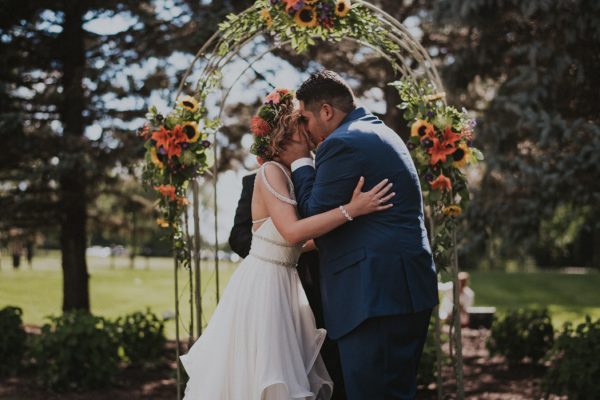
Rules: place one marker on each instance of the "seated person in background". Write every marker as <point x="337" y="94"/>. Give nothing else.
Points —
<point x="466" y="299"/>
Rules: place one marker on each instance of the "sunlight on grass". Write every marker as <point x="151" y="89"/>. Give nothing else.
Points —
<point x="568" y="297"/>
<point x="116" y="290"/>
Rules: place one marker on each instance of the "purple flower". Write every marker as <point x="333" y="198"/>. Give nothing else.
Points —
<point x="162" y="150"/>
<point x="205" y="143"/>
<point x="429" y="176"/>
<point x="430" y="114"/>
<point x="185" y="145"/>
<point x="427" y="143"/>
<point x="411" y="146"/>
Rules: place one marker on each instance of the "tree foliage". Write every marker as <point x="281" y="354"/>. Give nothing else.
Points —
<point x="530" y="68"/>
<point x="75" y="78"/>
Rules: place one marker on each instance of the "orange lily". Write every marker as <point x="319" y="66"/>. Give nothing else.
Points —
<point x="450" y="137"/>
<point x="161" y="137"/>
<point x="441" y="183"/>
<point x="170" y="140"/>
<point x="167" y="191"/>
<point x="439" y="151"/>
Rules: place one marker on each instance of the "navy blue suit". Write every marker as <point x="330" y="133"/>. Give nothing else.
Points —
<point x="378" y="278"/>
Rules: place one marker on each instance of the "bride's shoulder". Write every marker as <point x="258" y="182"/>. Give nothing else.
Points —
<point x="275" y="179"/>
<point x="273" y="173"/>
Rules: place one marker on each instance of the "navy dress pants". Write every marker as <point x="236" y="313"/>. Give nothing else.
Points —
<point x="381" y="356"/>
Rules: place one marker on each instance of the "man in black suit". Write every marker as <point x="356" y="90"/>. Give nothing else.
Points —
<point x="240" y="239"/>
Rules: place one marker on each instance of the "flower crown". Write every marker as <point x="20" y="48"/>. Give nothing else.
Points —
<point x="264" y="121"/>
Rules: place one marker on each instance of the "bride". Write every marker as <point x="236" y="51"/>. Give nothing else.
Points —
<point x="262" y="342"/>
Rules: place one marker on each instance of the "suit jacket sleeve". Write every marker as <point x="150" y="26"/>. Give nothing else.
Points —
<point x="240" y="237"/>
<point x="331" y="183"/>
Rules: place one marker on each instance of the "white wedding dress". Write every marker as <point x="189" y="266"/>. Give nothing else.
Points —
<point x="261" y="342"/>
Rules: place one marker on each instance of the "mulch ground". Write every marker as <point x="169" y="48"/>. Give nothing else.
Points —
<point x="485" y="377"/>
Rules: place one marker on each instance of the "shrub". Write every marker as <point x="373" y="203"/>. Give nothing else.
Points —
<point x="76" y="350"/>
<point x="575" y="362"/>
<point x="12" y="340"/>
<point x="142" y="337"/>
<point x="522" y="333"/>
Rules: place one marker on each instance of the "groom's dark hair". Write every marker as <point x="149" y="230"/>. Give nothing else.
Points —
<point x="326" y="87"/>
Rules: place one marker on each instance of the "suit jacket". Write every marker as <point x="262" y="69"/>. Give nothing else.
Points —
<point x="240" y="236"/>
<point x="379" y="264"/>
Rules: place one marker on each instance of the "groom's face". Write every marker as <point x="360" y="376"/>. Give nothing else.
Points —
<point x="315" y="127"/>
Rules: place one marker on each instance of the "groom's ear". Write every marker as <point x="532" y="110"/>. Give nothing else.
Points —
<point x="327" y="112"/>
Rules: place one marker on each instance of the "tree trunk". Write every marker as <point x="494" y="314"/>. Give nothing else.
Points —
<point x="73" y="237"/>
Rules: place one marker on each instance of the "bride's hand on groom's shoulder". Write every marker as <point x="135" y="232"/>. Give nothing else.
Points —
<point x="371" y="201"/>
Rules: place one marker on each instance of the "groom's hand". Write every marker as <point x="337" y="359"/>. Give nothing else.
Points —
<point x="296" y="148"/>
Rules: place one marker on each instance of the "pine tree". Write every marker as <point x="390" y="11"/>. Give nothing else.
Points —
<point x="74" y="95"/>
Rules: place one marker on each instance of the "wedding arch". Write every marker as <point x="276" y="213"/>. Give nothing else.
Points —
<point x="182" y="146"/>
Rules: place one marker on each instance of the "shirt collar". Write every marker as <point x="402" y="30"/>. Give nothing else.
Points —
<point x="355" y="114"/>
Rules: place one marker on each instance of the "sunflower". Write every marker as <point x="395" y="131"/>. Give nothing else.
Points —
<point x="191" y="131"/>
<point x="155" y="160"/>
<point x="342" y="7"/>
<point x="163" y="223"/>
<point x="306" y="17"/>
<point x="266" y="16"/>
<point x="453" y="210"/>
<point x="441" y="183"/>
<point x="189" y="103"/>
<point x="422" y="129"/>
<point x="461" y="155"/>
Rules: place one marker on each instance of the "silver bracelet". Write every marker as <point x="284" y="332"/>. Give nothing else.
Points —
<point x="345" y="212"/>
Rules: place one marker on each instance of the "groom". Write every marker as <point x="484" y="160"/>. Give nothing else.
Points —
<point x="378" y="279"/>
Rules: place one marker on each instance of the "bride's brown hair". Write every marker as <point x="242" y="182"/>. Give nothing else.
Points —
<point x="285" y="124"/>
<point x="272" y="127"/>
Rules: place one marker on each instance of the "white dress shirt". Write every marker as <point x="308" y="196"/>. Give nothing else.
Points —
<point x="301" y="162"/>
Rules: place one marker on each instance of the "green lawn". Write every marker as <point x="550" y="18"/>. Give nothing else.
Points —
<point x="113" y="292"/>
<point x="120" y="290"/>
<point x="568" y="297"/>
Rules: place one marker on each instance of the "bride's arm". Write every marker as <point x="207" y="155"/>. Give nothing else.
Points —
<point x="296" y="230"/>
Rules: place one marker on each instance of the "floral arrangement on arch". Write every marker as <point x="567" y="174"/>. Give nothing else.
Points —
<point x="441" y="145"/>
<point x="177" y="150"/>
<point x="301" y="22"/>
<point x="310" y="13"/>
